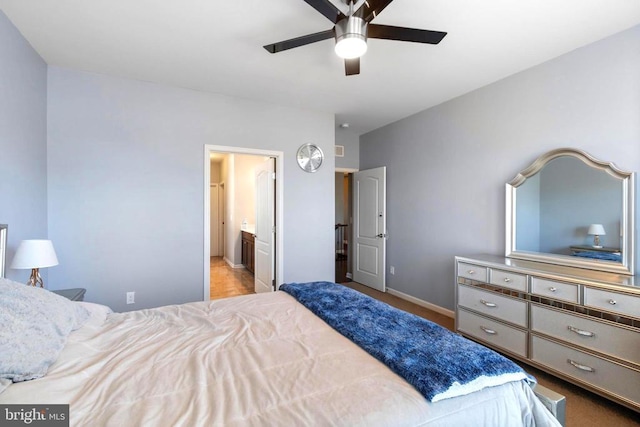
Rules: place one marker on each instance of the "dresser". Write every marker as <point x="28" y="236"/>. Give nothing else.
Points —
<point x="580" y="325"/>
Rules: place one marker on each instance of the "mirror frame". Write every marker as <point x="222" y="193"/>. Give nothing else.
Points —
<point x="627" y="218"/>
<point x="3" y="249"/>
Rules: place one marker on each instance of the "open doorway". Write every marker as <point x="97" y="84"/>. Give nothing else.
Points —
<point x="230" y="216"/>
<point x="343" y="225"/>
<point x="360" y="249"/>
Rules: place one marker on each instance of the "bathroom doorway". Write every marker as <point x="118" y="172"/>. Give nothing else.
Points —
<point x="229" y="175"/>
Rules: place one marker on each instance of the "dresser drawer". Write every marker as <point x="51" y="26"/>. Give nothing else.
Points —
<point x="598" y="372"/>
<point x="599" y="336"/>
<point x="554" y="290"/>
<point x="492" y="304"/>
<point x="624" y="304"/>
<point x="493" y="332"/>
<point x="473" y="272"/>
<point x="510" y="280"/>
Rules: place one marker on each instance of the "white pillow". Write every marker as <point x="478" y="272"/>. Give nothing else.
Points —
<point x="35" y="325"/>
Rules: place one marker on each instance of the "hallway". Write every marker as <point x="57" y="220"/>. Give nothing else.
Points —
<point x="341" y="270"/>
<point x="228" y="282"/>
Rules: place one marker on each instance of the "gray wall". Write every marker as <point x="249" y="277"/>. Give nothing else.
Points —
<point x="351" y="142"/>
<point x="126" y="185"/>
<point x="447" y="166"/>
<point x="23" y="143"/>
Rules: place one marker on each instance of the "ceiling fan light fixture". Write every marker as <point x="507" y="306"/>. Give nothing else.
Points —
<point x="351" y="47"/>
<point x="351" y="38"/>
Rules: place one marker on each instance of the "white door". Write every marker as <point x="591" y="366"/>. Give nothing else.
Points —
<point x="265" y="227"/>
<point x="369" y="224"/>
<point x="214" y="249"/>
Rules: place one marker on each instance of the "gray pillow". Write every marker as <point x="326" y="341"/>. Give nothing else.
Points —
<point x="35" y="325"/>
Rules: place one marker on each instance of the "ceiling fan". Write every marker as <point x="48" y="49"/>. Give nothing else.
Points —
<point x="351" y="31"/>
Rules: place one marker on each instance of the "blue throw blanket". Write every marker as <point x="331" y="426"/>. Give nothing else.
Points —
<point x="607" y="256"/>
<point x="437" y="362"/>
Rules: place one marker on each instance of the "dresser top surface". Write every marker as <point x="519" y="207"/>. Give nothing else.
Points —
<point x="558" y="272"/>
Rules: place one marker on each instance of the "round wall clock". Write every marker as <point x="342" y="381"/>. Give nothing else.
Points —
<point x="310" y="157"/>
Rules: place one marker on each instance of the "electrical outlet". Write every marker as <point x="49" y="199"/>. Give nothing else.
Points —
<point x="392" y="270"/>
<point x="131" y="297"/>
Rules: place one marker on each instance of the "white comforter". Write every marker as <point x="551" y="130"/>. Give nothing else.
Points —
<point x="258" y="360"/>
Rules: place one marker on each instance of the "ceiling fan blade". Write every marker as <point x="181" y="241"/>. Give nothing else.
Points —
<point x="404" y="34"/>
<point x="352" y="66"/>
<point x="299" y="41"/>
<point x="372" y="8"/>
<point x="326" y="8"/>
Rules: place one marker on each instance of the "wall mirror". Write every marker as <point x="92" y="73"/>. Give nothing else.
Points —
<point x="571" y="209"/>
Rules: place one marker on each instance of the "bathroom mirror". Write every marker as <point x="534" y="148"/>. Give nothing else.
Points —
<point x="571" y="209"/>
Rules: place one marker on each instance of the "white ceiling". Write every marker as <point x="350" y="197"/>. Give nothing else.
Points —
<point x="216" y="46"/>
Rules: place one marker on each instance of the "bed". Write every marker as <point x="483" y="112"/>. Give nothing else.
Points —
<point x="255" y="360"/>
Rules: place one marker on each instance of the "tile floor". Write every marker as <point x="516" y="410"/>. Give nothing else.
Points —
<point x="227" y="281"/>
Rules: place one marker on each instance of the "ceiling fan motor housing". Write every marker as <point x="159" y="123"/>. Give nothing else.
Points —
<point x="349" y="31"/>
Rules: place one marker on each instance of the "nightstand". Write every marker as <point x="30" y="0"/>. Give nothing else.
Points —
<point x="75" y="294"/>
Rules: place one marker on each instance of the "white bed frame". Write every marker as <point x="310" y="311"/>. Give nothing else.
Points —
<point x="555" y="402"/>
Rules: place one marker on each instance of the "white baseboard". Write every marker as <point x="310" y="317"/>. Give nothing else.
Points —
<point x="232" y="265"/>
<point x="422" y="303"/>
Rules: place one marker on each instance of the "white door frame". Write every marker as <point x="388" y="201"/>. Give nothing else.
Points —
<point x="222" y="238"/>
<point x="279" y="243"/>
<point x="214" y="230"/>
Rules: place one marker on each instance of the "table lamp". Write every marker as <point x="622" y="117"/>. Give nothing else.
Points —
<point x="35" y="254"/>
<point x="596" y="230"/>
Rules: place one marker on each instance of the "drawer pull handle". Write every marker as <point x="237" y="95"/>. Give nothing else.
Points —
<point x="552" y="289"/>
<point x="488" y="304"/>
<point x="580" y="366"/>
<point x="507" y="280"/>
<point x="471" y="272"/>
<point x="612" y="302"/>
<point x="487" y="330"/>
<point x="581" y="332"/>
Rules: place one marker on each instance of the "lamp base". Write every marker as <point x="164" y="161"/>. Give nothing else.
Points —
<point x="35" y="279"/>
<point x="596" y="241"/>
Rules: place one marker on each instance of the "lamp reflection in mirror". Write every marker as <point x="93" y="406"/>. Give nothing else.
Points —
<point x="596" y="230"/>
<point x="35" y="254"/>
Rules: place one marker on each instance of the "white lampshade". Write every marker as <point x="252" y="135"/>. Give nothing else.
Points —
<point x="34" y="254"/>
<point x="596" y="230"/>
